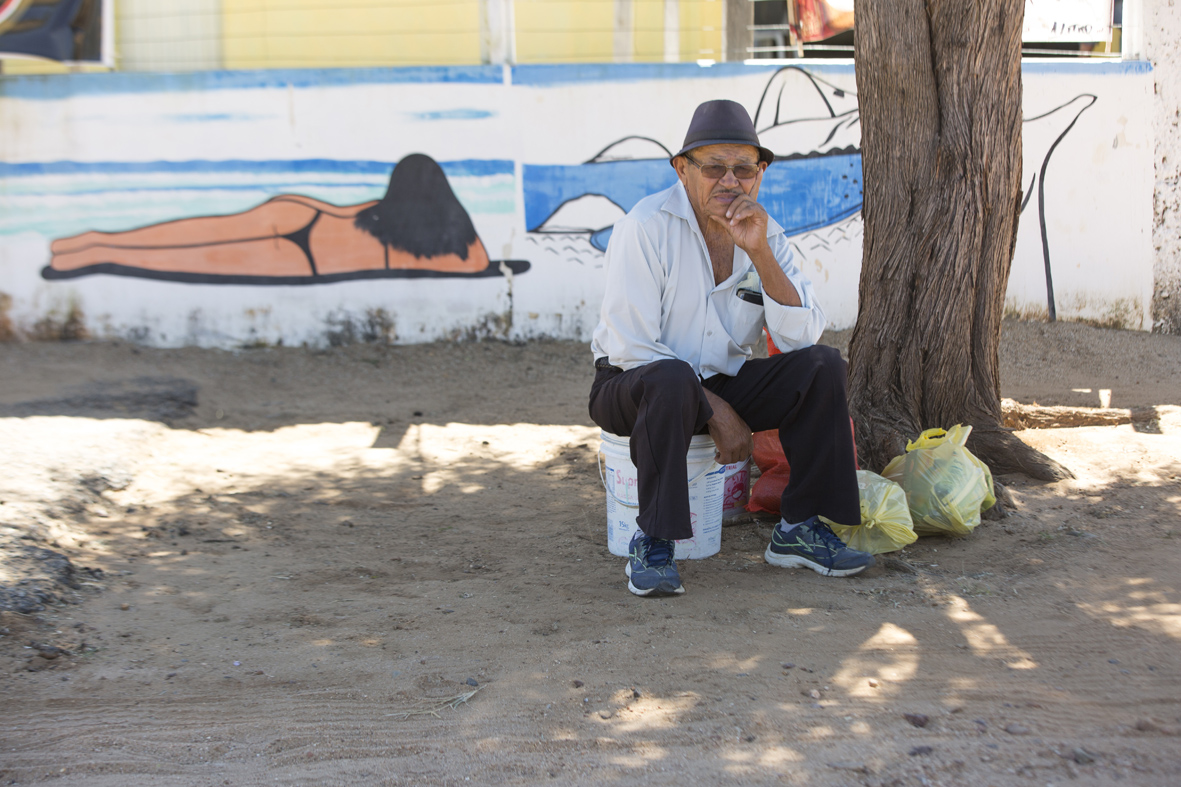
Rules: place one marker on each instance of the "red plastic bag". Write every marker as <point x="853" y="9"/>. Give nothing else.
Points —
<point x="775" y="471"/>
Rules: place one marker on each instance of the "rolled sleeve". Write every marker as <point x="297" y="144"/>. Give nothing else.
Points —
<point x="793" y="327"/>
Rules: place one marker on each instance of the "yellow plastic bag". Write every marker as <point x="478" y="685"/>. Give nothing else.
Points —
<point x="885" y="518"/>
<point x="946" y="486"/>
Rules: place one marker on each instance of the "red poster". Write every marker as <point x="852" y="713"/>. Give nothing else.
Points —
<point x="817" y="20"/>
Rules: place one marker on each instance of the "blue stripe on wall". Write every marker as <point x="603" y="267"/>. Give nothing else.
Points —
<point x="1086" y="68"/>
<point x="564" y="74"/>
<point x="461" y="168"/>
<point x="58" y="86"/>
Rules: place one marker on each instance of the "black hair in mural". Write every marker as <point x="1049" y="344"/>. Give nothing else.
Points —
<point x="419" y="213"/>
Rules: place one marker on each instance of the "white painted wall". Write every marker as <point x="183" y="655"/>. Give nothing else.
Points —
<point x="139" y="150"/>
<point x="1162" y="32"/>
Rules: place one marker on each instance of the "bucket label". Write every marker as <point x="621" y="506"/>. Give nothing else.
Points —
<point x="737" y="492"/>
<point x="622" y="483"/>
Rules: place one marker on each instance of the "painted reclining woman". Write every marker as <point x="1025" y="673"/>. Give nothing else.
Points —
<point x="419" y="228"/>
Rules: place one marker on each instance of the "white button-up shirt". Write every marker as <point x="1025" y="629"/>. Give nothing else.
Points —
<point x="661" y="301"/>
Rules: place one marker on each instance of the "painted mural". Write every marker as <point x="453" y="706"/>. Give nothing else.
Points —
<point x="418" y="229"/>
<point x="266" y="207"/>
<point x="814" y="188"/>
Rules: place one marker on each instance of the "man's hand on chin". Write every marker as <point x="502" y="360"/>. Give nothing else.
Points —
<point x="746" y="223"/>
<point x="731" y="435"/>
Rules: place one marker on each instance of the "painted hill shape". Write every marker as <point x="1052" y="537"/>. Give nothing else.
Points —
<point x="588" y="213"/>
<point x="631" y="149"/>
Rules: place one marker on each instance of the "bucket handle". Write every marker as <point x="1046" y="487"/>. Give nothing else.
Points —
<point x="602" y="462"/>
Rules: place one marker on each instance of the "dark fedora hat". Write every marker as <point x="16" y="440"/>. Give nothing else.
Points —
<point x="723" y="122"/>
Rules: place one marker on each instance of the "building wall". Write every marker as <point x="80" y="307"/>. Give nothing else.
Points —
<point x="313" y="33"/>
<point x="185" y="35"/>
<point x="1162" y="31"/>
<point x="111" y="186"/>
<point x="574" y="31"/>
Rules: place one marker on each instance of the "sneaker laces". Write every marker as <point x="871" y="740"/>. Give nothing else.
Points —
<point x="827" y="537"/>
<point x="659" y="552"/>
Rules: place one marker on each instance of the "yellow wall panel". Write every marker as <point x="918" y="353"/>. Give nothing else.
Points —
<point x="648" y="16"/>
<point x="313" y="33"/>
<point x="564" y="30"/>
<point x="701" y="29"/>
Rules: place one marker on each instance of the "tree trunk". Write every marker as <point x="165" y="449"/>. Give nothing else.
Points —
<point x="939" y="85"/>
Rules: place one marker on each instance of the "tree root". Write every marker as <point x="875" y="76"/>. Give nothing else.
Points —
<point x="1024" y="416"/>
<point x="1004" y="453"/>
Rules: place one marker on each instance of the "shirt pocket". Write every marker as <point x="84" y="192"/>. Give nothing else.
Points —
<point x="747" y="321"/>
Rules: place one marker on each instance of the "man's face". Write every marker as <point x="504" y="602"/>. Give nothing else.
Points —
<point x="712" y="196"/>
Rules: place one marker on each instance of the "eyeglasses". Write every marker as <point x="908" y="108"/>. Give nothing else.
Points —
<point x="718" y="171"/>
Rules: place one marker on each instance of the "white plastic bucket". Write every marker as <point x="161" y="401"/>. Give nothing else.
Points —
<point x="706" y="487"/>
<point x="736" y="490"/>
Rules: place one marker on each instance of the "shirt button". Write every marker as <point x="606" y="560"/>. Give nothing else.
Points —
<point x="709" y="333"/>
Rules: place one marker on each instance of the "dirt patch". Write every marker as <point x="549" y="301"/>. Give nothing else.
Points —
<point x="387" y="565"/>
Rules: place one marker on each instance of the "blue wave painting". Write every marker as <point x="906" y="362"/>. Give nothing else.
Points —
<point x="802" y="194"/>
<point x="62" y="198"/>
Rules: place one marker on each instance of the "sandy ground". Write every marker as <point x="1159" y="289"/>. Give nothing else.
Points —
<point x="296" y="567"/>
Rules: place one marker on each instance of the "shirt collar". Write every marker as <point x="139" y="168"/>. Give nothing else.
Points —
<point x="677" y="203"/>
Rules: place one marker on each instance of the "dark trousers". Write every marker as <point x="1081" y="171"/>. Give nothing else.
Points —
<point x="661" y="405"/>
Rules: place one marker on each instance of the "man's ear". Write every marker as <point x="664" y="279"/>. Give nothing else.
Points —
<point x="680" y="164"/>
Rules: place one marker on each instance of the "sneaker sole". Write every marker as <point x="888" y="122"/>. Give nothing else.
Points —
<point x="795" y="561"/>
<point x="656" y="591"/>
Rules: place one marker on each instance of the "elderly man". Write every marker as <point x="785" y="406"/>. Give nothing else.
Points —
<point x="693" y="274"/>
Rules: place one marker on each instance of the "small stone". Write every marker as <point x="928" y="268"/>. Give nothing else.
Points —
<point x="1082" y="756"/>
<point x="1017" y="729"/>
<point x="606" y="713"/>
<point x="472" y="682"/>
<point x="578" y="684"/>
<point x="856" y="767"/>
<point x="1148" y="725"/>
<point x="917" y="719"/>
<point x="873" y="683"/>
<point x="36" y="664"/>
<point x="788" y="665"/>
<point x="920" y="751"/>
<point x="636" y="693"/>
<point x="814" y="694"/>
<point x="124" y="607"/>
<point x="749" y="739"/>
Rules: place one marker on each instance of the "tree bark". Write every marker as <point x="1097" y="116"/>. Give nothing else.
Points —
<point x="939" y="86"/>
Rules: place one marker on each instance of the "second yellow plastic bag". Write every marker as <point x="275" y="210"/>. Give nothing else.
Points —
<point x="885" y="518"/>
<point x="946" y="486"/>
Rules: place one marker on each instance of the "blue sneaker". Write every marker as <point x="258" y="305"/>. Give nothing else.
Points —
<point x="812" y="544"/>
<point x="651" y="570"/>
